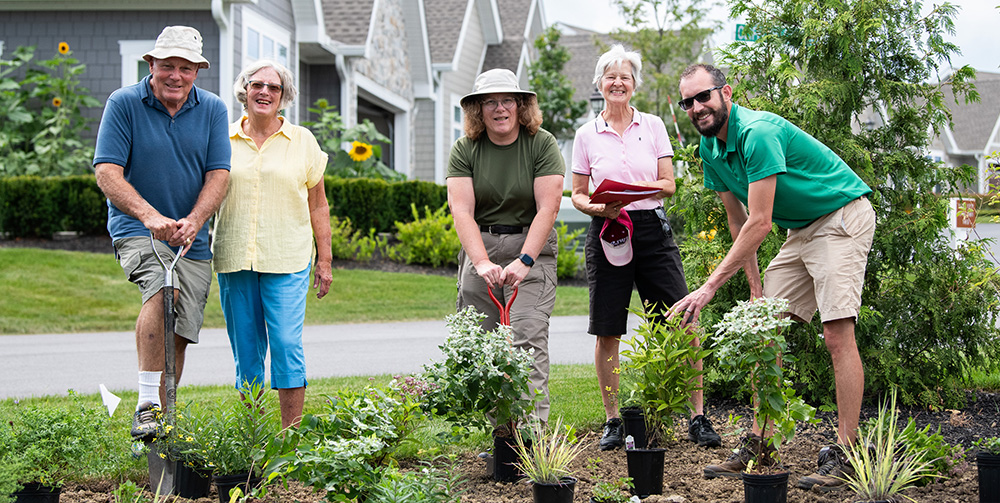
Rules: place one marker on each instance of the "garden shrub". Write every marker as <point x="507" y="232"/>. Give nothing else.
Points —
<point x="377" y="204"/>
<point x="31" y="206"/>
<point x="568" y="260"/>
<point x="350" y="244"/>
<point x="430" y="240"/>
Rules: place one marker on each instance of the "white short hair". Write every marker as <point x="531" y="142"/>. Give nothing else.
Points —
<point x="616" y="56"/>
<point x="288" y="91"/>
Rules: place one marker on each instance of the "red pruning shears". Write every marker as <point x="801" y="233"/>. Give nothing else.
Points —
<point x="504" y="310"/>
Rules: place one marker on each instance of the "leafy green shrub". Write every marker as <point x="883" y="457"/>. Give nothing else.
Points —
<point x="32" y="206"/>
<point x="430" y="484"/>
<point x="661" y="377"/>
<point x="233" y="439"/>
<point x="350" y="244"/>
<point x="568" y="260"/>
<point x="43" y="119"/>
<point x="430" y="240"/>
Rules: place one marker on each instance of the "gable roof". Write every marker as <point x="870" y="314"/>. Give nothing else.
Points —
<point x="514" y="19"/>
<point x="583" y="50"/>
<point x="348" y="21"/>
<point x="974" y="122"/>
<point x="444" y="24"/>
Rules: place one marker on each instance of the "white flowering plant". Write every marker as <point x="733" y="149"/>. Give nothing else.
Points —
<point x="750" y="338"/>
<point x="481" y="374"/>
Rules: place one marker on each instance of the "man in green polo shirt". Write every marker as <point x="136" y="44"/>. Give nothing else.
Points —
<point x="765" y="169"/>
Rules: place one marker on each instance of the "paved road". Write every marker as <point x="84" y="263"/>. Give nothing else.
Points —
<point x="38" y="365"/>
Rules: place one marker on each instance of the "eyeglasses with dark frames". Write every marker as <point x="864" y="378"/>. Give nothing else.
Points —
<point x="257" y="85"/>
<point x="702" y="97"/>
<point x="507" y="104"/>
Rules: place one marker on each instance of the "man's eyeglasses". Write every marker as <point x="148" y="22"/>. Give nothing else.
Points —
<point x="702" y="97"/>
<point x="257" y="85"/>
<point x="507" y="103"/>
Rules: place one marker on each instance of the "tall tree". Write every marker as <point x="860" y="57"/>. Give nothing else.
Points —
<point x="560" y="111"/>
<point x="930" y="314"/>
<point x="670" y="34"/>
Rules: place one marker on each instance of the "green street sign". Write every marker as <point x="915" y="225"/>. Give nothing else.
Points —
<point x="743" y="34"/>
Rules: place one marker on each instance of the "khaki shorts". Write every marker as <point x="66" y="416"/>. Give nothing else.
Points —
<point x="823" y="264"/>
<point x="192" y="279"/>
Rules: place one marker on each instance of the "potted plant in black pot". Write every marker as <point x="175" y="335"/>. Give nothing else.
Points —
<point x="545" y="461"/>
<point x="40" y="447"/>
<point x="988" y="464"/>
<point x="481" y="382"/>
<point x="749" y="339"/>
<point x="660" y="380"/>
<point x="182" y="445"/>
<point x="883" y="462"/>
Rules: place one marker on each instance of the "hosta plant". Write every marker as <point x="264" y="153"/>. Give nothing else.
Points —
<point x="883" y="464"/>
<point x="481" y="374"/>
<point x="750" y="338"/>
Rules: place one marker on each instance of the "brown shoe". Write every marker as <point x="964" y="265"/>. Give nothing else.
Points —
<point x="751" y="447"/>
<point x="832" y="468"/>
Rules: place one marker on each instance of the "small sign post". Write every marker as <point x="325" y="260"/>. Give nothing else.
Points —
<point x="961" y="218"/>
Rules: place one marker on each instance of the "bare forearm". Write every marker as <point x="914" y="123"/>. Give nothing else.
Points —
<point x="319" y="216"/>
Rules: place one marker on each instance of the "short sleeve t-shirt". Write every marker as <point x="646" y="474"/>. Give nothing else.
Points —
<point x="812" y="180"/>
<point x="503" y="176"/>
<point x="600" y="153"/>
<point x="164" y="158"/>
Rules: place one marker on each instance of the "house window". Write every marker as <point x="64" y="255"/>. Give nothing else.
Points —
<point x="456" y="118"/>
<point x="134" y="68"/>
<point x="263" y="39"/>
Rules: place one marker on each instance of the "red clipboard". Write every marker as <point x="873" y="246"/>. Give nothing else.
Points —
<point x="611" y="191"/>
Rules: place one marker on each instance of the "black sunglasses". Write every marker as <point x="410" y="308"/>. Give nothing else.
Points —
<point x="702" y="97"/>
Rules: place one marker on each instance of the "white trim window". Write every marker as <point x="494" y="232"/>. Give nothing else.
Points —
<point x="262" y="39"/>
<point x="457" y="129"/>
<point x="134" y="68"/>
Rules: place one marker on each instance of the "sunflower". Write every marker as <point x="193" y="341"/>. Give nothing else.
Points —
<point x="360" y="151"/>
<point x="63" y="48"/>
<point x="56" y="102"/>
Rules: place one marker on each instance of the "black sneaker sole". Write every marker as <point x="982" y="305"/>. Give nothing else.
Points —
<point x="711" y="474"/>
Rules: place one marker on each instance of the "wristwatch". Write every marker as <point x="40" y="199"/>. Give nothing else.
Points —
<point x="527" y="260"/>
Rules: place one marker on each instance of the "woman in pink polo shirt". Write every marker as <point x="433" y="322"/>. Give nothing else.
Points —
<point x="626" y="145"/>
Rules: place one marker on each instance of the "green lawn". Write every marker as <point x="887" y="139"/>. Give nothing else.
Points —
<point x="52" y="291"/>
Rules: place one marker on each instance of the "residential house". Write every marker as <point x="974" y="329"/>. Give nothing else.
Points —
<point x="975" y="132"/>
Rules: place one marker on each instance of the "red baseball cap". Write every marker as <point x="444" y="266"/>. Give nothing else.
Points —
<point x="616" y="238"/>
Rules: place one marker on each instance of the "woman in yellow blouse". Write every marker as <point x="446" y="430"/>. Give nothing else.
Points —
<point x="264" y="230"/>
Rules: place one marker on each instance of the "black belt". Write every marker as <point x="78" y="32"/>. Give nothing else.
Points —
<point x="501" y="229"/>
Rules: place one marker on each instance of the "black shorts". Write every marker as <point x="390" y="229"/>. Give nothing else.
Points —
<point x="655" y="271"/>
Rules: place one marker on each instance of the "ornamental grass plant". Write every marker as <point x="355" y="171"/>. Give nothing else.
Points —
<point x="547" y="458"/>
<point x="883" y="464"/>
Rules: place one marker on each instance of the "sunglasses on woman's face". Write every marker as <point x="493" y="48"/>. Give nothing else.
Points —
<point x="702" y="97"/>
<point x="257" y="85"/>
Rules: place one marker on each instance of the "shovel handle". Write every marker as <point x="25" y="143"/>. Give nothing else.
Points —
<point x="169" y="345"/>
<point x="504" y="309"/>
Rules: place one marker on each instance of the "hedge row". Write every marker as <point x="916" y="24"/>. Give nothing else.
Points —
<point x="31" y="206"/>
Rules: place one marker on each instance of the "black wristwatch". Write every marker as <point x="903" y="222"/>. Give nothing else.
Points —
<point x="527" y="260"/>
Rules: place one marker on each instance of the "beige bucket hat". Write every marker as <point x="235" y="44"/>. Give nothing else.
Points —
<point x="178" y="42"/>
<point x="497" y="80"/>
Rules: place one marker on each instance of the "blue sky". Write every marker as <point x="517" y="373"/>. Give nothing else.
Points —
<point x="976" y="25"/>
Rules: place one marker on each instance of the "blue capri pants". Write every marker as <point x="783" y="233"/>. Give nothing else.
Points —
<point x="264" y="309"/>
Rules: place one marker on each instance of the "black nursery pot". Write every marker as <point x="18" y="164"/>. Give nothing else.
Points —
<point x="989" y="477"/>
<point x="191" y="483"/>
<point x="635" y="425"/>
<point x="504" y="457"/>
<point x="554" y="493"/>
<point x="765" y="488"/>
<point x="37" y="493"/>
<point x="225" y="483"/>
<point x="645" y="466"/>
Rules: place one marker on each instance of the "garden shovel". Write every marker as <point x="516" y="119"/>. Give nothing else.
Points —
<point x="161" y="469"/>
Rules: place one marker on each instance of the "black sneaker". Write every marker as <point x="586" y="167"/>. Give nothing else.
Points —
<point x="614" y="434"/>
<point x="146" y="421"/>
<point x="737" y="463"/>
<point x="700" y="431"/>
<point x="832" y="468"/>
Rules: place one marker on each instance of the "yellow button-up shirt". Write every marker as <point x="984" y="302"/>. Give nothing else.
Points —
<point x="263" y="224"/>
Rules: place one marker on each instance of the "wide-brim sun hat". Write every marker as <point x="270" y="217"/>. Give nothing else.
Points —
<point x="497" y="80"/>
<point x="178" y="42"/>
<point x="616" y="239"/>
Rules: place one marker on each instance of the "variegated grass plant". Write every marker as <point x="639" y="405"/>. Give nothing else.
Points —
<point x="882" y="469"/>
<point x="552" y="450"/>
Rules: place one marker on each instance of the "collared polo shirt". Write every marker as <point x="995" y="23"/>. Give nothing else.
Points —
<point x="164" y="158"/>
<point x="812" y="180"/>
<point x="264" y="224"/>
<point x="600" y="153"/>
